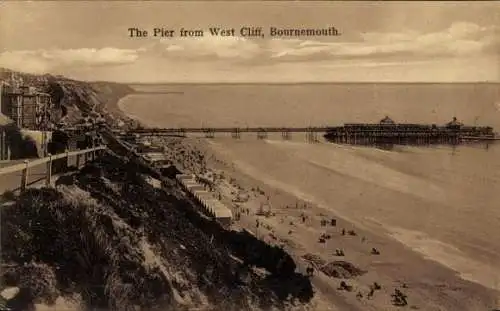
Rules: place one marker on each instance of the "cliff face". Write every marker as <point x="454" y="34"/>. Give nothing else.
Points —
<point x="74" y="99"/>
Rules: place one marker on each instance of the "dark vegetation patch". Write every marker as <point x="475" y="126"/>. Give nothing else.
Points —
<point x="342" y="269"/>
<point x="337" y="269"/>
<point x="21" y="147"/>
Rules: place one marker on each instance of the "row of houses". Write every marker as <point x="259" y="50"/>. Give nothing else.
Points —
<point x="211" y="206"/>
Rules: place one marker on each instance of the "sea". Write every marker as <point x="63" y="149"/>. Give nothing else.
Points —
<point x="442" y="201"/>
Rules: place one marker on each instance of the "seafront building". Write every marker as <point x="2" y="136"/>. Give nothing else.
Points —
<point x="27" y="109"/>
<point x="26" y="106"/>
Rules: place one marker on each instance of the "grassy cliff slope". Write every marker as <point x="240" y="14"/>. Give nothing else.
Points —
<point x="109" y="239"/>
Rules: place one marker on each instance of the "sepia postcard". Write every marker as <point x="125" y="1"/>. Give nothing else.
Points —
<point x="249" y="155"/>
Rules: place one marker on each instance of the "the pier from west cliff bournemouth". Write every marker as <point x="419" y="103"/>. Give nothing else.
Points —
<point x="386" y="131"/>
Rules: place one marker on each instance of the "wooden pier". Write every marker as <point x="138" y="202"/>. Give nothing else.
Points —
<point x="312" y="133"/>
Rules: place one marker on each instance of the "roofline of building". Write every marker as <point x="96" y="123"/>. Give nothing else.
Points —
<point x="28" y="94"/>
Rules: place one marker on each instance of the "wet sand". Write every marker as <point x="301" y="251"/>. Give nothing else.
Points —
<point x="444" y="225"/>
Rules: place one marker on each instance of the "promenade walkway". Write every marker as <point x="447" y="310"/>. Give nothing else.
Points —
<point x="36" y="171"/>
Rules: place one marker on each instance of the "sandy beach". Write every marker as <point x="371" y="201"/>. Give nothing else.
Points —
<point x="271" y="196"/>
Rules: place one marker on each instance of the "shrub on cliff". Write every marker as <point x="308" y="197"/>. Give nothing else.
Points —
<point x="84" y="243"/>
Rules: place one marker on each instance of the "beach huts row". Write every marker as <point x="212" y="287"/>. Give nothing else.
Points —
<point x="211" y="206"/>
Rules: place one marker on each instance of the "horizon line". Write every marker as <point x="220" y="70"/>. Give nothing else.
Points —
<point x="246" y="82"/>
<point x="301" y="82"/>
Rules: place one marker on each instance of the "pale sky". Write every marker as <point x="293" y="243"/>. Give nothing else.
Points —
<point x="391" y="41"/>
